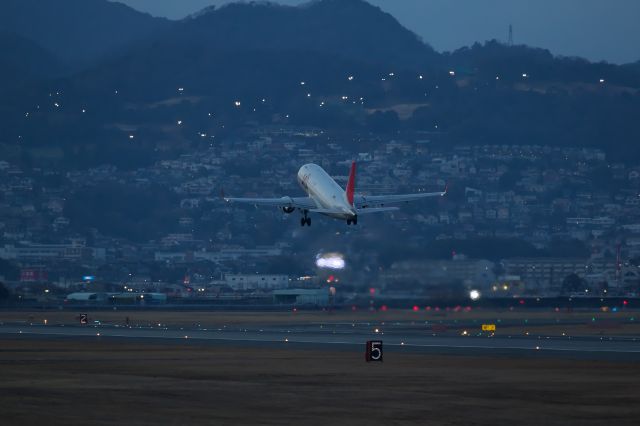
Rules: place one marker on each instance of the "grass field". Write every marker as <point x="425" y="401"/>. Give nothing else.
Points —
<point x="60" y="382"/>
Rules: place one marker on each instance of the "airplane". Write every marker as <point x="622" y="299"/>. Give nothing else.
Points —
<point x="325" y="196"/>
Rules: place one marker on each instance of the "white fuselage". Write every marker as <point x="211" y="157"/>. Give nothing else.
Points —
<point x="325" y="192"/>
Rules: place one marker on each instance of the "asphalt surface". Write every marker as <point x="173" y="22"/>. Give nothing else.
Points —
<point x="347" y="336"/>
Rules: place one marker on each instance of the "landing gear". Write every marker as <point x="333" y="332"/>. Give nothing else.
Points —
<point x="352" y="221"/>
<point x="306" y="220"/>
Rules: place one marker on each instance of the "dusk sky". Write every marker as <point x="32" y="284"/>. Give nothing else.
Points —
<point x="594" y="29"/>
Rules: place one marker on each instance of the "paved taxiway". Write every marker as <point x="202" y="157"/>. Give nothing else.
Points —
<point x="348" y="337"/>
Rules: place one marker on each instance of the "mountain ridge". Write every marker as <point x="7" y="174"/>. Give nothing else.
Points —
<point x="23" y="62"/>
<point x="317" y="65"/>
<point x="325" y="26"/>
<point x="79" y="32"/>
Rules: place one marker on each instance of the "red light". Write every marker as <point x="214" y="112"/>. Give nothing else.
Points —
<point x="383" y="308"/>
<point x="331" y="279"/>
<point x="521" y="301"/>
<point x="625" y="302"/>
<point x="353" y="308"/>
<point x="437" y="308"/>
<point x="416" y="308"/>
<point x="372" y="291"/>
<point x="428" y="308"/>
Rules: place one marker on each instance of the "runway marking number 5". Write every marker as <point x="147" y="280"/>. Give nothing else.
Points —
<point x="374" y="351"/>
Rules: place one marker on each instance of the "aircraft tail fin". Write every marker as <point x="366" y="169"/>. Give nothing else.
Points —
<point x="351" y="183"/>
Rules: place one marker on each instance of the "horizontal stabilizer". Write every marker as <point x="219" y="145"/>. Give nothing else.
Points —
<point x="326" y="211"/>
<point x="377" y="210"/>
<point x="295" y="202"/>
<point x="362" y="201"/>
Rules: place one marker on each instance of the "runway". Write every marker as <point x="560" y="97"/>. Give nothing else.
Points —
<point x="347" y="337"/>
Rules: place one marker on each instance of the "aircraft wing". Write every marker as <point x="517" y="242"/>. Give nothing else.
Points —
<point x="289" y="202"/>
<point x="363" y="201"/>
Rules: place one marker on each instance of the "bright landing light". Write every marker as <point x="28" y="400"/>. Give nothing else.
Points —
<point x="474" y="294"/>
<point x="330" y="261"/>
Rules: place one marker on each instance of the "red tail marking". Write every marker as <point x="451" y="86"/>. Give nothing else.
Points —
<point x="351" y="183"/>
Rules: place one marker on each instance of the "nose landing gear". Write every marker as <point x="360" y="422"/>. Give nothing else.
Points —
<point x="352" y="221"/>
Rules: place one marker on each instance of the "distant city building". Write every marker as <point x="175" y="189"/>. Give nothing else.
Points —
<point x="256" y="281"/>
<point x="478" y="273"/>
<point x="32" y="251"/>
<point x="33" y="275"/>
<point x="316" y="297"/>
<point x="549" y="273"/>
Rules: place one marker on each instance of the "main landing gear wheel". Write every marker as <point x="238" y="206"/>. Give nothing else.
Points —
<point x="305" y="221"/>
<point x="352" y="221"/>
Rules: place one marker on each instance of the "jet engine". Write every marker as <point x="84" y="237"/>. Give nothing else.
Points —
<point x="288" y="209"/>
